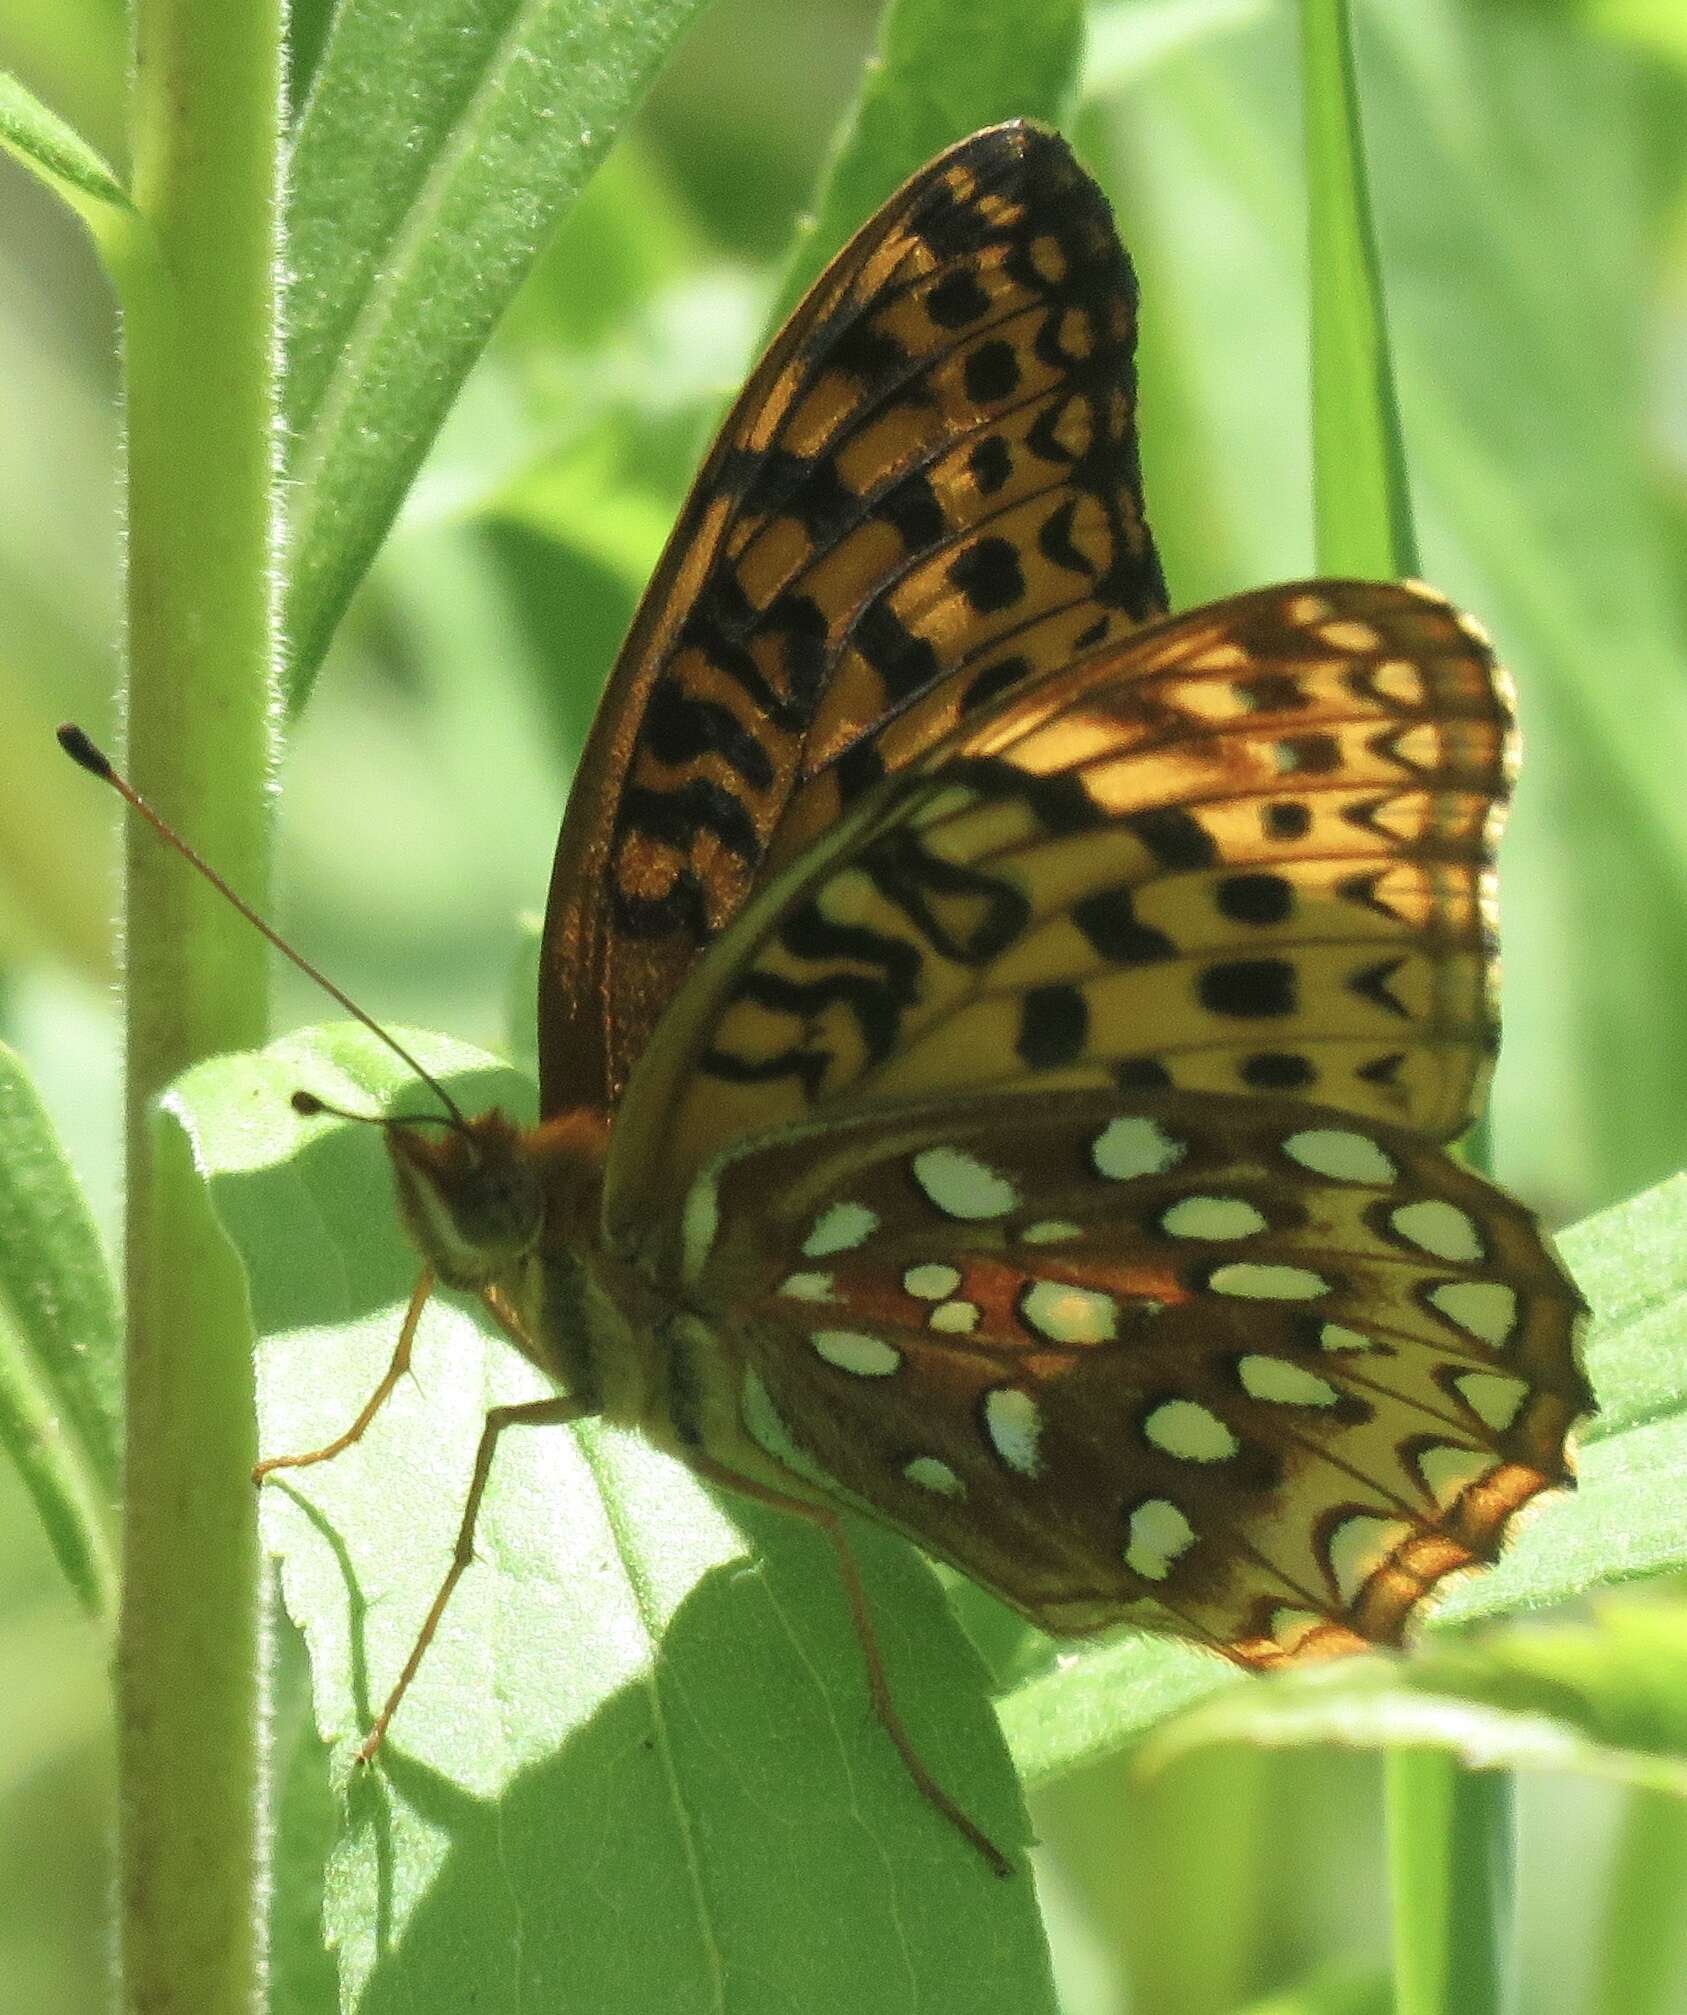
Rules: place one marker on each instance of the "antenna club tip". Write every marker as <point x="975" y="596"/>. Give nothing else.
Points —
<point x="307" y="1105"/>
<point x="82" y="751"/>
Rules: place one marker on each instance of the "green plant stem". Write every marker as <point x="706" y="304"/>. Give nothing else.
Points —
<point x="1451" y="1856"/>
<point x="1643" y="1939"/>
<point x="200" y="325"/>
<point x="1450" y="1831"/>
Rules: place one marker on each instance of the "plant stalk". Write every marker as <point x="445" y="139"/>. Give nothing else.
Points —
<point x="200" y="322"/>
<point x="1450" y="1831"/>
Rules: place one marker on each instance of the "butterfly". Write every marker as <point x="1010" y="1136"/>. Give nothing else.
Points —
<point x="998" y="1038"/>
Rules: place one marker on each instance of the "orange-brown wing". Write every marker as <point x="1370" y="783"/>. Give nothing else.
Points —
<point x="1247" y="850"/>
<point x="1240" y="1369"/>
<point x="933" y="471"/>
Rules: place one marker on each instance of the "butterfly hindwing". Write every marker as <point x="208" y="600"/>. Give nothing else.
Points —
<point x="1247" y="850"/>
<point x="933" y="470"/>
<point x="1244" y="1370"/>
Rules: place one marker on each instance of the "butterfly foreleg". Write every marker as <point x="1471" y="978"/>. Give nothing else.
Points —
<point x="861" y="1614"/>
<point x="530" y="1413"/>
<point x="377" y="1399"/>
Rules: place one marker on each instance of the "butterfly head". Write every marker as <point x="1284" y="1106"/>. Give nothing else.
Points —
<point x="471" y="1196"/>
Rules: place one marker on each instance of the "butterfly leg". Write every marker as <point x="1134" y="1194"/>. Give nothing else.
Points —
<point x="377" y="1399"/>
<point x="531" y="1413"/>
<point x="878" y="1684"/>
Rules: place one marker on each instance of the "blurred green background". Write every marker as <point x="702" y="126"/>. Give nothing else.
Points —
<point x="1528" y="162"/>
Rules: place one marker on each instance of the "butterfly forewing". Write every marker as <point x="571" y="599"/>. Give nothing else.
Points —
<point x="1248" y="850"/>
<point x="933" y="472"/>
<point x="1241" y="1369"/>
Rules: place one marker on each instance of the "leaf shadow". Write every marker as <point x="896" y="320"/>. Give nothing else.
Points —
<point x="750" y="1842"/>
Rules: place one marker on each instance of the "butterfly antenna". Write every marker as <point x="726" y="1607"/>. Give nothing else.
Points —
<point x="87" y="756"/>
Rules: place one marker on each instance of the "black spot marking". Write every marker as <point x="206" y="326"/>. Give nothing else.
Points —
<point x="1054" y="1024"/>
<point x="1254" y="899"/>
<point x="1174" y="837"/>
<point x="1362" y="890"/>
<point x="1270" y="692"/>
<point x="906" y="663"/>
<point x="965" y="914"/>
<point x="858" y="769"/>
<point x="679" y="909"/>
<point x="1366" y="815"/>
<point x="807" y="1066"/>
<point x="868" y="354"/>
<point x="719" y="620"/>
<point x="1047" y="439"/>
<point x="1276" y="1070"/>
<point x="1383" y="1070"/>
<point x="735" y="468"/>
<point x="805" y="487"/>
<point x="991" y="373"/>
<point x="678" y="729"/>
<point x="801" y="629"/>
<point x="1371" y="984"/>
<point x="1351" y="1410"/>
<point x="1248" y="989"/>
<point x="912" y="507"/>
<point x="1109" y="920"/>
<point x="957" y="299"/>
<point x="1309" y="755"/>
<point x="1095" y="634"/>
<point x="1059" y="803"/>
<point x="989" y="575"/>
<point x="1257" y="1468"/>
<point x="993" y="679"/>
<point x="675" y="818"/>
<point x="812" y="937"/>
<point x="1141" y="1073"/>
<point x="951" y="228"/>
<point x="990" y="464"/>
<point x="1286" y="819"/>
<point x="1054" y="540"/>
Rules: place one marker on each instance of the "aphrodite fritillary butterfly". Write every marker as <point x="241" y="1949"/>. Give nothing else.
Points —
<point x="995" y="1037"/>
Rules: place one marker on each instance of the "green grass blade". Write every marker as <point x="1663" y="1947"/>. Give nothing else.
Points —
<point x="638" y="1766"/>
<point x="439" y="147"/>
<point x="1450" y="1836"/>
<point x="1362" y="506"/>
<point x="60" y="1349"/>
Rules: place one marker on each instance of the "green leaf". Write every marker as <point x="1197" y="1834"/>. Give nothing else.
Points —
<point x="1362" y="507"/>
<point x="439" y="147"/>
<point x="638" y="1758"/>
<point x="60" y="1355"/>
<point x="928" y="83"/>
<point x="44" y="142"/>
<point x="1605" y="1699"/>
<point x="1627" y="1516"/>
